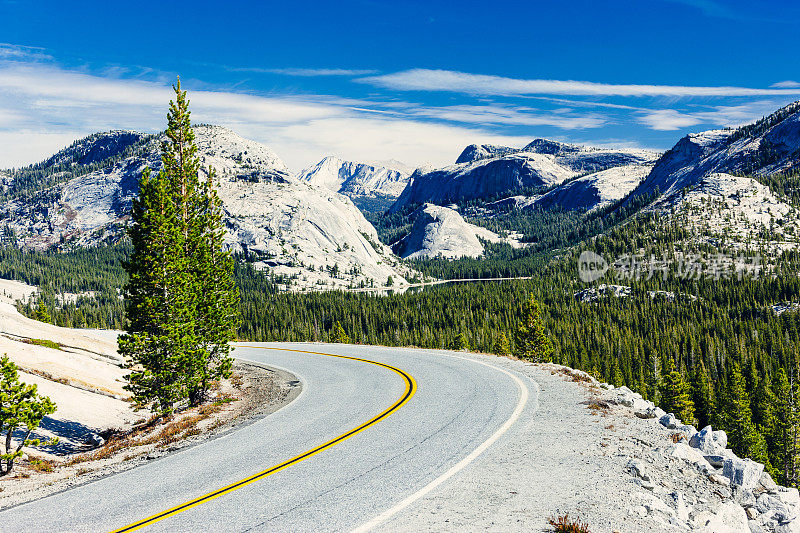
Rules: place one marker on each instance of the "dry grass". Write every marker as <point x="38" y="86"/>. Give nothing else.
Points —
<point x="155" y="432"/>
<point x="677" y="437"/>
<point x="237" y="381"/>
<point x="45" y="375"/>
<point x="573" y="375"/>
<point x="597" y="405"/>
<point x="565" y="524"/>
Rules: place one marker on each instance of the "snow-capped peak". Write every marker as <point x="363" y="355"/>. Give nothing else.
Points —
<point x="356" y="179"/>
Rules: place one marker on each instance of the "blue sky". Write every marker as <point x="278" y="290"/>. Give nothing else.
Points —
<point x="407" y="80"/>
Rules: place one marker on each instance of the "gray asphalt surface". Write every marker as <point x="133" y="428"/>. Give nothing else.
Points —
<point x="458" y="405"/>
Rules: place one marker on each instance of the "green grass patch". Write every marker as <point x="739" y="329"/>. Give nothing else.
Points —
<point x="44" y="342"/>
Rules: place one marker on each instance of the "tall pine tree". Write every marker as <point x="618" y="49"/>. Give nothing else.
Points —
<point x="182" y="305"/>
<point x="742" y="434"/>
<point x="218" y="306"/>
<point x="675" y="395"/>
<point x="783" y="441"/>
<point x="703" y="395"/>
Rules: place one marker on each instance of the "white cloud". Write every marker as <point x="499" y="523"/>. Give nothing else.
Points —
<point x="44" y="107"/>
<point x="18" y="52"/>
<point x="21" y="148"/>
<point x="307" y="72"/>
<point x="368" y="139"/>
<point x="671" y="119"/>
<point x="667" y="120"/>
<point x="788" y="84"/>
<point x="512" y="116"/>
<point x="480" y="84"/>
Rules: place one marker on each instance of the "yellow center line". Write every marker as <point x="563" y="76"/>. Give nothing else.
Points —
<point x="411" y="388"/>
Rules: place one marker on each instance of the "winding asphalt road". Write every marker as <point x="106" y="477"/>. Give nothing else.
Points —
<point x="418" y="434"/>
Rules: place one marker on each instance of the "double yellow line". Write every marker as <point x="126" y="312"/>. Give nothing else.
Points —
<point x="411" y="389"/>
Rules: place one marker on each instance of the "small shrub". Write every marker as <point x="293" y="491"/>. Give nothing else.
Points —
<point x="574" y="375"/>
<point x="224" y="400"/>
<point x="565" y="524"/>
<point x="41" y="465"/>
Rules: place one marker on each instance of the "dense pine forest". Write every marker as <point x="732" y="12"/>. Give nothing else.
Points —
<point x="711" y="350"/>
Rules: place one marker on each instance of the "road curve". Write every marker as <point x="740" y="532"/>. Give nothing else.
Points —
<point x="460" y="407"/>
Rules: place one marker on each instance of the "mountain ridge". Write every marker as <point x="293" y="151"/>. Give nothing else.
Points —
<point x="485" y="171"/>
<point x="310" y="237"/>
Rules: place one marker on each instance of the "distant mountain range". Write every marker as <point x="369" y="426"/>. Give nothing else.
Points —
<point x="307" y="229"/>
<point x="485" y="171"/>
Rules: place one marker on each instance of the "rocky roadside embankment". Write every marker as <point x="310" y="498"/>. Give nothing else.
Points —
<point x="699" y="484"/>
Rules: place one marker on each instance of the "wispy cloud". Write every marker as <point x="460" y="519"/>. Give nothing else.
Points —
<point x="487" y="85"/>
<point x="44" y="106"/>
<point x="16" y="52"/>
<point x="788" y="84"/>
<point x="667" y="120"/>
<point x="306" y="72"/>
<point x="512" y="116"/>
<point x="736" y="115"/>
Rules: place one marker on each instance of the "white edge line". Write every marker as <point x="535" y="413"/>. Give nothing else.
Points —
<point x="523" y="400"/>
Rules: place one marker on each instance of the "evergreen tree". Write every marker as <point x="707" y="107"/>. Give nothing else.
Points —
<point x="675" y="395"/>
<point x="616" y="374"/>
<point x="181" y="304"/>
<point x="41" y="314"/>
<point x="532" y="341"/>
<point x="21" y="410"/>
<point x="338" y="334"/>
<point x="783" y="441"/>
<point x="743" y="437"/>
<point x="218" y="305"/>
<point x="460" y="342"/>
<point x="502" y="346"/>
<point x="703" y="395"/>
<point x="158" y="297"/>
<point x="764" y="406"/>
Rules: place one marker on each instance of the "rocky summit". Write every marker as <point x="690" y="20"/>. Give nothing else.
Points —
<point x="486" y="171"/>
<point x="768" y="146"/>
<point x="442" y="232"/>
<point x="356" y="179"/>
